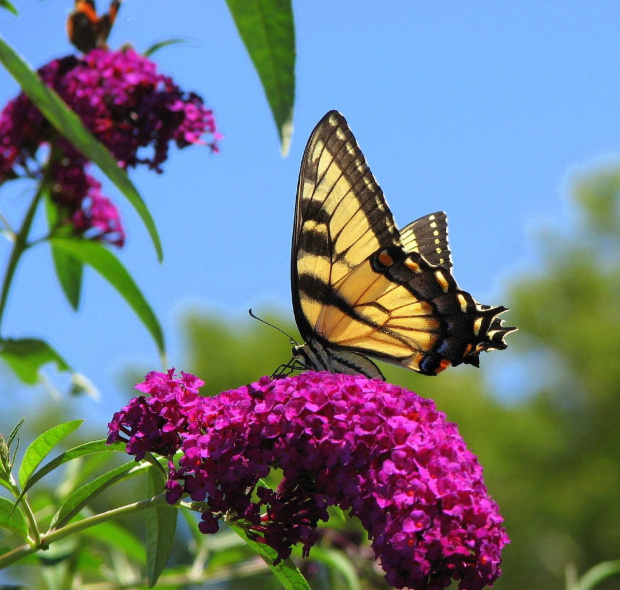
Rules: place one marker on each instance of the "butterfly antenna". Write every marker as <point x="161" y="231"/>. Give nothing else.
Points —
<point x="293" y="341"/>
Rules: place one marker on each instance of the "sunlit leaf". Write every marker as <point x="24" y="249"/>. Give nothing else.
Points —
<point x="268" y="31"/>
<point x="70" y="125"/>
<point x="12" y="518"/>
<point x="161" y="525"/>
<point x="111" y="269"/>
<point x="338" y="513"/>
<point x="97" y="446"/>
<point x="41" y="447"/>
<point x="26" y="356"/>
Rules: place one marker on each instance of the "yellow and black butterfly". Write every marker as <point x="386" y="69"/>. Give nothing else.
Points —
<point x="363" y="288"/>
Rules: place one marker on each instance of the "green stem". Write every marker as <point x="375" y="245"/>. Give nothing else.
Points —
<point x="19" y="246"/>
<point x="26" y="508"/>
<point x="77" y="526"/>
<point x="34" y="528"/>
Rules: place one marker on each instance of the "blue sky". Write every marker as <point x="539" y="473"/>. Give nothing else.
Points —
<point x="486" y="110"/>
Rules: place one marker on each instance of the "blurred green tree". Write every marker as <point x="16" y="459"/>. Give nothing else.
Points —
<point x="551" y="456"/>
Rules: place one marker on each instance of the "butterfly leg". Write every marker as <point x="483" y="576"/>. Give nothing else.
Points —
<point x="286" y="369"/>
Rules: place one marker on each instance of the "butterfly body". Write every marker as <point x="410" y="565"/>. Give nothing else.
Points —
<point x="361" y="287"/>
<point x="88" y="31"/>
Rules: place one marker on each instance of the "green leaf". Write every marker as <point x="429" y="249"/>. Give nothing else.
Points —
<point x="70" y="126"/>
<point x="41" y="446"/>
<point x="69" y="271"/>
<point x="27" y="355"/>
<point x="286" y="571"/>
<point x="84" y="494"/>
<point x="116" y="537"/>
<point x="595" y="575"/>
<point x="268" y="31"/>
<point x="15" y="432"/>
<point x="96" y="446"/>
<point x="339" y="562"/>
<point x="12" y="518"/>
<point x="337" y="512"/>
<point x="161" y="524"/>
<point x="111" y="269"/>
<point x="160" y="45"/>
<point x="6" y="4"/>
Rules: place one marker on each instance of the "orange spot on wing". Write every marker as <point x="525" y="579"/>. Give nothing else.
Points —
<point x="385" y="259"/>
<point x="413" y="266"/>
<point x="443" y="365"/>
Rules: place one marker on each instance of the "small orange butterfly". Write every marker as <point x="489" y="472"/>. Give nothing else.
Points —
<point x="85" y="29"/>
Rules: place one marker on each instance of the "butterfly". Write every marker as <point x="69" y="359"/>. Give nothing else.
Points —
<point x="361" y="288"/>
<point x="86" y="30"/>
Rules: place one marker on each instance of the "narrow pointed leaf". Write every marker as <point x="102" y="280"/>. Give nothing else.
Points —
<point x="6" y="4"/>
<point x="12" y="518"/>
<point x="111" y="269"/>
<point x="595" y="575"/>
<point x="41" y="447"/>
<point x="268" y="32"/>
<point x="69" y="271"/>
<point x="286" y="571"/>
<point x="85" y="494"/>
<point x="15" y="432"/>
<point x="161" y="524"/>
<point x="96" y="446"/>
<point x="160" y="45"/>
<point x="70" y="125"/>
<point x="26" y="356"/>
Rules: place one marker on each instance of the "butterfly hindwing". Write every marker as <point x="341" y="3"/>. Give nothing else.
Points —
<point x="359" y="289"/>
<point x="428" y="236"/>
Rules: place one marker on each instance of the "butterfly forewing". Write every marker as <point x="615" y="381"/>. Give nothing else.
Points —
<point x="359" y="288"/>
<point x="336" y="192"/>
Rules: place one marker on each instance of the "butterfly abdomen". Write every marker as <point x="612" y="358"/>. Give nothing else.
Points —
<point x="316" y="357"/>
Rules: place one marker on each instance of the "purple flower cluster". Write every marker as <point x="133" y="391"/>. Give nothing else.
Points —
<point x="379" y="450"/>
<point x="128" y="106"/>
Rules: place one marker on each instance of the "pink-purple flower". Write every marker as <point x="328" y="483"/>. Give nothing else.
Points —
<point x="379" y="450"/>
<point x="132" y="109"/>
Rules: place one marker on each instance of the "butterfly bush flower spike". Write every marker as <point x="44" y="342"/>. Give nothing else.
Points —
<point x="380" y="451"/>
<point x="132" y="109"/>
